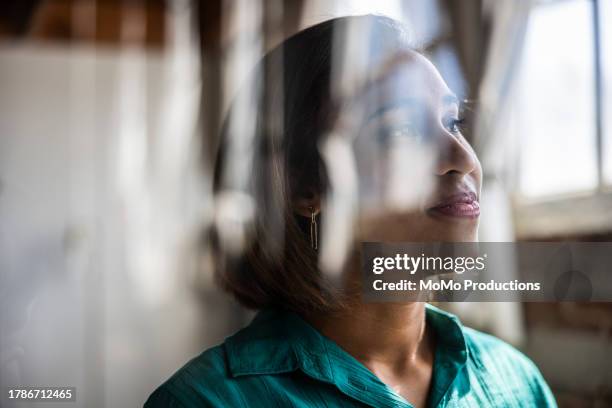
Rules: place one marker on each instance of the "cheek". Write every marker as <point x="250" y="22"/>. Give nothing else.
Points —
<point x="477" y="173"/>
<point x="396" y="177"/>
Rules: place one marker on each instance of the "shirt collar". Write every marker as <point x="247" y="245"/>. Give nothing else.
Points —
<point x="451" y="351"/>
<point x="280" y="341"/>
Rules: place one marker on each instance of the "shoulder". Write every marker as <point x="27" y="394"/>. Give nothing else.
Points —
<point x="493" y="352"/>
<point x="234" y="373"/>
<point x="203" y="382"/>
<point x="503" y="363"/>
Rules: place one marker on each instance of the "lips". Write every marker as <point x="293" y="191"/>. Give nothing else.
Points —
<point x="460" y="205"/>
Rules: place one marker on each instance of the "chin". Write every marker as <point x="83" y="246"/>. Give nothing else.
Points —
<point x="459" y="236"/>
<point x="421" y="227"/>
<point x="467" y="238"/>
<point x="454" y="233"/>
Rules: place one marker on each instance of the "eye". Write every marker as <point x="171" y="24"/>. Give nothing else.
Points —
<point x="455" y="125"/>
<point x="388" y="135"/>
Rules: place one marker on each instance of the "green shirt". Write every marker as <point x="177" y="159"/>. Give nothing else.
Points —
<point x="279" y="360"/>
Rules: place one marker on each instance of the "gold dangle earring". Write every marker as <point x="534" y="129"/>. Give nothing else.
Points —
<point x="313" y="229"/>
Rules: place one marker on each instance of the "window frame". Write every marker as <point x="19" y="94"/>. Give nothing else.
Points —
<point x="580" y="212"/>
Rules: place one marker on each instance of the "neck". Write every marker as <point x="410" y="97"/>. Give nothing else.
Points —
<point x="390" y="339"/>
<point x="393" y="335"/>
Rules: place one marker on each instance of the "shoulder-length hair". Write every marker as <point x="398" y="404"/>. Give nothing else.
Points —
<point x="293" y="109"/>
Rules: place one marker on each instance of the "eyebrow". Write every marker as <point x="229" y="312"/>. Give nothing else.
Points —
<point x="404" y="102"/>
<point x="449" y="99"/>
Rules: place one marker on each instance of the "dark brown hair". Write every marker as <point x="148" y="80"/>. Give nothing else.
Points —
<point x="293" y="110"/>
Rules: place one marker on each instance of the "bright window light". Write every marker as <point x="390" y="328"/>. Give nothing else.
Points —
<point x="555" y="107"/>
<point x="605" y="9"/>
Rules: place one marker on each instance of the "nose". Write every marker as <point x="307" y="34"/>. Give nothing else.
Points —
<point x="455" y="156"/>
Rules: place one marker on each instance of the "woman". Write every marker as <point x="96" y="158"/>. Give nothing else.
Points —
<point x="314" y="342"/>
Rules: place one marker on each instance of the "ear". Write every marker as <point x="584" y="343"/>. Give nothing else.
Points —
<point x="306" y="202"/>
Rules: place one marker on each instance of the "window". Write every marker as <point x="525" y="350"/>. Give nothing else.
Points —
<point x="605" y="16"/>
<point x="562" y="116"/>
<point x="556" y="96"/>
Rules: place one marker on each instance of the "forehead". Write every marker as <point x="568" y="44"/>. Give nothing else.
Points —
<point x="409" y="75"/>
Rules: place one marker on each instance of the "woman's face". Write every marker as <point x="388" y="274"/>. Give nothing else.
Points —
<point x="419" y="178"/>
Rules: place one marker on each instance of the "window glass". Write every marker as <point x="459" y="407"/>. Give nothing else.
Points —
<point x="555" y="108"/>
<point x="605" y="8"/>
